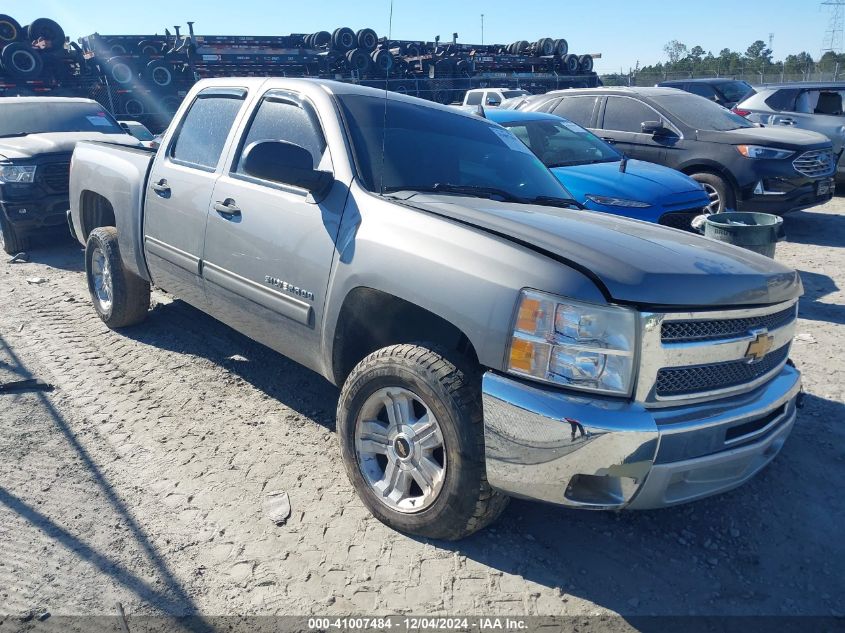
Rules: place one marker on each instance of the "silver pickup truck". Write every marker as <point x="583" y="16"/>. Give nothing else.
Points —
<point x="489" y="339"/>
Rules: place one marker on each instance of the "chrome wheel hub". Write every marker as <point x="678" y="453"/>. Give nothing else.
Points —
<point x="400" y="450"/>
<point x="715" y="199"/>
<point x="101" y="276"/>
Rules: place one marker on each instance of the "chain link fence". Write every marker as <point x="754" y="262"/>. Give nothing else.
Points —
<point x="771" y="76"/>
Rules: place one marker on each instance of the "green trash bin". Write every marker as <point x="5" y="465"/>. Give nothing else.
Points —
<point x="758" y="232"/>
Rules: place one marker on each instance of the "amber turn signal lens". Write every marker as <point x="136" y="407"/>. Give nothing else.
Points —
<point x="522" y="355"/>
<point x="529" y="314"/>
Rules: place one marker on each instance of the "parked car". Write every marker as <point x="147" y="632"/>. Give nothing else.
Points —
<point x="742" y="165"/>
<point x="492" y="97"/>
<point x="726" y="92"/>
<point x="37" y="136"/>
<point x="602" y="179"/>
<point x="140" y="132"/>
<point x="489" y="340"/>
<point x="817" y="107"/>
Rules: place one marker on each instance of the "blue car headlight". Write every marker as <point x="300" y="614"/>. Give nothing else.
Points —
<point x="612" y="201"/>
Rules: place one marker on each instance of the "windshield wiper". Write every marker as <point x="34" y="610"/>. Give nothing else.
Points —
<point x="551" y="201"/>
<point x="466" y="190"/>
<point x="14" y="135"/>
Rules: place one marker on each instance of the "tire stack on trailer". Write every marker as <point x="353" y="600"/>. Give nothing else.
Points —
<point x="144" y="77"/>
<point x="36" y="59"/>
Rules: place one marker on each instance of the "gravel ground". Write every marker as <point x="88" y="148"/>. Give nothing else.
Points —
<point x="141" y="479"/>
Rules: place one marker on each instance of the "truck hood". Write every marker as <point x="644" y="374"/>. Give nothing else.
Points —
<point x="642" y="181"/>
<point x="23" y="147"/>
<point x="798" y="140"/>
<point x="632" y="262"/>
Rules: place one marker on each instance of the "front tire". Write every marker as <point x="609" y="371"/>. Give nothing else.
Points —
<point x="718" y="190"/>
<point x="412" y="440"/>
<point x="11" y="241"/>
<point x="120" y="297"/>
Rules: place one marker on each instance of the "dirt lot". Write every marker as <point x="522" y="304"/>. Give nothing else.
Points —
<point x="141" y="480"/>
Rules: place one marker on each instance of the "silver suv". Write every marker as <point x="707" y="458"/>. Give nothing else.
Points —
<point x="809" y="106"/>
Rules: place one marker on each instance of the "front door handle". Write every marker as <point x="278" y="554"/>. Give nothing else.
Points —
<point x="786" y="121"/>
<point x="227" y="209"/>
<point x="161" y="188"/>
<point x="607" y="139"/>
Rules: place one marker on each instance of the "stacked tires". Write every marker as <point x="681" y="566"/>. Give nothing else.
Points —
<point x="26" y="51"/>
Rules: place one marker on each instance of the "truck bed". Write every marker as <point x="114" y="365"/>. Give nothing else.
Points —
<point x="111" y="179"/>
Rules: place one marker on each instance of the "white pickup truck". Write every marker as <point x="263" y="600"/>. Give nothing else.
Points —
<point x="489" y="338"/>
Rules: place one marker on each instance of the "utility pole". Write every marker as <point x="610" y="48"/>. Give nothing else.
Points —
<point x="482" y="29"/>
<point x="835" y="27"/>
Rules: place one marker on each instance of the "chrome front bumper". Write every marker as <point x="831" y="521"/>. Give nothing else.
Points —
<point x="602" y="453"/>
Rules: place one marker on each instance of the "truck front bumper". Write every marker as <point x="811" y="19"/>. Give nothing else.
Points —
<point x="601" y="453"/>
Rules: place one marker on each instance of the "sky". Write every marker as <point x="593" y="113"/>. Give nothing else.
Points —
<point x="623" y="31"/>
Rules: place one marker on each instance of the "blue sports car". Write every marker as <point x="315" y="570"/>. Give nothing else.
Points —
<point x="599" y="177"/>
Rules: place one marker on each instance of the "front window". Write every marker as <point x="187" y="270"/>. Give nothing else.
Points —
<point x="700" y="114"/>
<point x="20" y="119"/>
<point x="404" y="146"/>
<point x="561" y="143"/>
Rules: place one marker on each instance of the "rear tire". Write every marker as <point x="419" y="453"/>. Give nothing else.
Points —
<point x="10" y="240"/>
<point x="415" y="394"/>
<point x="120" y="297"/>
<point x="718" y="190"/>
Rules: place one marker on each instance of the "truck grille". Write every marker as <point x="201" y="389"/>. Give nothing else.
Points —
<point x="695" y="331"/>
<point x="56" y="177"/>
<point x="677" y="381"/>
<point x="816" y="163"/>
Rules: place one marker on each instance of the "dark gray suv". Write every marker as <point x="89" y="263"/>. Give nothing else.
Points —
<point x="741" y="165"/>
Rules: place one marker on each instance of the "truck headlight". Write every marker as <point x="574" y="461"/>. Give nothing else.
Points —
<point x="573" y="344"/>
<point x="758" y="151"/>
<point x="17" y="173"/>
<point x="617" y="202"/>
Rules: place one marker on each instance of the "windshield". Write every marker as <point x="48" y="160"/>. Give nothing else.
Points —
<point x="734" y="90"/>
<point x="701" y="114"/>
<point x="405" y="146"/>
<point x="561" y="143"/>
<point x="39" y="117"/>
<point x="510" y="94"/>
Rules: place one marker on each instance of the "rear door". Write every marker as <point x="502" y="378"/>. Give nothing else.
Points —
<point x="622" y="121"/>
<point x="581" y="110"/>
<point x="179" y="192"/>
<point x="266" y="266"/>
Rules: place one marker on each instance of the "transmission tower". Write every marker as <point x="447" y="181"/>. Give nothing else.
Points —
<point x="833" y="36"/>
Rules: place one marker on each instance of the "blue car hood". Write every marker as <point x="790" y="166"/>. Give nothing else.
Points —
<point x="640" y="181"/>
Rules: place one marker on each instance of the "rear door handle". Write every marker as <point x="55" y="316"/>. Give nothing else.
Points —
<point x="161" y="187"/>
<point x="227" y="209"/>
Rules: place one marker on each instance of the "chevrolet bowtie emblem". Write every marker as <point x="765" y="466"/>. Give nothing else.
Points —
<point x="759" y="347"/>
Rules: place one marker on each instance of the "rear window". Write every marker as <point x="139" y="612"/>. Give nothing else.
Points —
<point x="204" y="130"/>
<point x="511" y="94"/>
<point x="19" y="119"/>
<point x="473" y="98"/>
<point x="734" y="90"/>
<point x="781" y="100"/>
<point x="577" y="109"/>
<point x="701" y="114"/>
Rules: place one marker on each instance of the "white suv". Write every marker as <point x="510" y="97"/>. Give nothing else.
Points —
<point x="492" y="97"/>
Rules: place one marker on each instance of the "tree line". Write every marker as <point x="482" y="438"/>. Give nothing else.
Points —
<point x="682" y="60"/>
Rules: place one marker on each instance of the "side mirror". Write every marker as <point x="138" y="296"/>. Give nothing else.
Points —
<point x="285" y="163"/>
<point x="655" y="128"/>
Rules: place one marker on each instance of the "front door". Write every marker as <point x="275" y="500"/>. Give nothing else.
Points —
<point x="179" y="190"/>
<point x="269" y="245"/>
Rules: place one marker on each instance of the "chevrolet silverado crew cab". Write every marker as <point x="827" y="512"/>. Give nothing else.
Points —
<point x="489" y="340"/>
<point x="37" y="136"/>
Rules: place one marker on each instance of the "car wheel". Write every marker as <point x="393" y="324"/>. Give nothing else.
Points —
<point x="718" y="190"/>
<point x="412" y="440"/>
<point x="11" y="241"/>
<point x="120" y="297"/>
